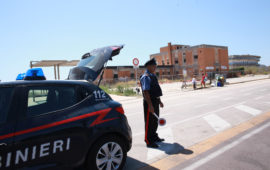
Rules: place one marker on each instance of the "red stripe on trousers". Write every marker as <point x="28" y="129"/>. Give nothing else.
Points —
<point x="147" y="123"/>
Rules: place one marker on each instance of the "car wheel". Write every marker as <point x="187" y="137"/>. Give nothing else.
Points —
<point x="108" y="153"/>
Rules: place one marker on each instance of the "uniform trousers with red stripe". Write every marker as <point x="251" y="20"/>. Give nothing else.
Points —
<point x="151" y="122"/>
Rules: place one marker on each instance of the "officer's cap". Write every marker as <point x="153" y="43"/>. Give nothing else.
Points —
<point x="151" y="62"/>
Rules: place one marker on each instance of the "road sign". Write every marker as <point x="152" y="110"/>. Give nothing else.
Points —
<point x="135" y="61"/>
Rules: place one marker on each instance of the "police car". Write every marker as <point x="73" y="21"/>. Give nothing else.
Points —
<point x="63" y="124"/>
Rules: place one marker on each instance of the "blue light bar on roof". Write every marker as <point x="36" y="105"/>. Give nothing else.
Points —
<point x="20" y="76"/>
<point x="34" y="74"/>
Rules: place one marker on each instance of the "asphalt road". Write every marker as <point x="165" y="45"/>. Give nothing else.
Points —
<point x="194" y="116"/>
<point x="249" y="151"/>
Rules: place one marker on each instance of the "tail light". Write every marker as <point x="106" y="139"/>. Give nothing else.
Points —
<point x="120" y="110"/>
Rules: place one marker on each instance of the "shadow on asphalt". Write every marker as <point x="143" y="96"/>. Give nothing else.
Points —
<point x="168" y="148"/>
<point x="132" y="163"/>
<point x="173" y="148"/>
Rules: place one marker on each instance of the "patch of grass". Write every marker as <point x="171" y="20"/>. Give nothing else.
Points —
<point x="120" y="88"/>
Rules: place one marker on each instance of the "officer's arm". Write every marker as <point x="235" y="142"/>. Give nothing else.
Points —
<point x="145" y="81"/>
<point x="148" y="100"/>
<point x="161" y="103"/>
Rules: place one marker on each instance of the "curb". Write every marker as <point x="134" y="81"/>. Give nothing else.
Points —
<point x="249" y="81"/>
<point x="175" y="160"/>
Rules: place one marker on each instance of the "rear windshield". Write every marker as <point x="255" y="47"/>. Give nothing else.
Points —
<point x="5" y="100"/>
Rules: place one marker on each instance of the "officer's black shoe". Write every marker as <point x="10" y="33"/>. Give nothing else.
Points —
<point x="152" y="145"/>
<point x="160" y="140"/>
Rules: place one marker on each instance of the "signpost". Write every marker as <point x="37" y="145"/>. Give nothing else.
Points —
<point x="136" y="62"/>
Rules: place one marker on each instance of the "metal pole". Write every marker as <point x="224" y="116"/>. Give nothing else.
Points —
<point x="136" y="76"/>
<point x="54" y="71"/>
<point x="58" y="71"/>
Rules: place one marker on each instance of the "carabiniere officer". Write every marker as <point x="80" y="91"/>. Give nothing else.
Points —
<point x="151" y="102"/>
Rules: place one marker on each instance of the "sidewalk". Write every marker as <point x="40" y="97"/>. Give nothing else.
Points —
<point x="176" y="86"/>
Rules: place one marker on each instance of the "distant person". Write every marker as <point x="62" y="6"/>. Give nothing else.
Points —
<point x="203" y="81"/>
<point x="194" y="82"/>
<point x="151" y="102"/>
<point x="184" y="84"/>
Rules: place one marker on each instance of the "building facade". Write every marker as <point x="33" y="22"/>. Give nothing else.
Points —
<point x="125" y="73"/>
<point x="175" y="61"/>
<point x="237" y="61"/>
<point x="193" y="60"/>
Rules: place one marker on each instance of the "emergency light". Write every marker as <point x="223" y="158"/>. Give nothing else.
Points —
<point x="34" y="74"/>
<point x="20" y="76"/>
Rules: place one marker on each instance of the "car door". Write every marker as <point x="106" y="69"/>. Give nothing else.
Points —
<point x="8" y="106"/>
<point x="49" y="137"/>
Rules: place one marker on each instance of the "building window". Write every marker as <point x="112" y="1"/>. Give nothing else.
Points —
<point x="184" y="60"/>
<point x="132" y="75"/>
<point x="115" y="76"/>
<point x="163" y="63"/>
<point x="176" y="61"/>
<point x="195" y="57"/>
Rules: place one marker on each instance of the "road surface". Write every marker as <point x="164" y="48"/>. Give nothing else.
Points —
<point x="195" y="116"/>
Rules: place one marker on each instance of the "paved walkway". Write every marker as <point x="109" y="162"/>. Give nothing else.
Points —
<point x="176" y="86"/>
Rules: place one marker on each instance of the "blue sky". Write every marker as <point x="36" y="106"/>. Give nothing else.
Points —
<point x="66" y="29"/>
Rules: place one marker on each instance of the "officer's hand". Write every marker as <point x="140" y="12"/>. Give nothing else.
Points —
<point x="161" y="104"/>
<point x="151" y="109"/>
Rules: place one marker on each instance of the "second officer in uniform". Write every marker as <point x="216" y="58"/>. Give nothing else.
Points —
<point x="151" y="102"/>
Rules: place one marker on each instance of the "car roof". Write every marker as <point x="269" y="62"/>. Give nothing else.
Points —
<point x="47" y="82"/>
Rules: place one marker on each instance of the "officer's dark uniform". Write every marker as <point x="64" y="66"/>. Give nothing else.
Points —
<point x="150" y="83"/>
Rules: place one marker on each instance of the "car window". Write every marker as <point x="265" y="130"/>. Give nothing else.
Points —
<point x="84" y="92"/>
<point x="37" y="96"/>
<point x="47" y="99"/>
<point x="5" y="102"/>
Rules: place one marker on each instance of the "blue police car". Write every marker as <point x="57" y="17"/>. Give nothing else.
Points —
<point x="63" y="124"/>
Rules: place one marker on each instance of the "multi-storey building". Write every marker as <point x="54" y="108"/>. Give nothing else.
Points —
<point x="236" y="61"/>
<point x="193" y="60"/>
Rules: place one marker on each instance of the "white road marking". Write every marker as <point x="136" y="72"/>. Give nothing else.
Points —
<point x="192" y="118"/>
<point x="248" y="109"/>
<point x="216" y="122"/>
<point x="213" y="97"/>
<point x="262" y="90"/>
<point x="167" y="134"/>
<point x="258" y="98"/>
<point x="213" y="155"/>
<point x="228" y="98"/>
<point x="201" y="105"/>
<point x="246" y="94"/>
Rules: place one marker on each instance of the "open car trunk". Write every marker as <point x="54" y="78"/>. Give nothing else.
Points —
<point x="92" y="64"/>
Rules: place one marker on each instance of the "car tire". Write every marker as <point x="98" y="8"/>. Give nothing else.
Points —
<point x="108" y="151"/>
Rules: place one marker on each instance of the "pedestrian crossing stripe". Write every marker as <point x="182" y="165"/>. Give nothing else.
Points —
<point x="247" y="109"/>
<point x="216" y="122"/>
